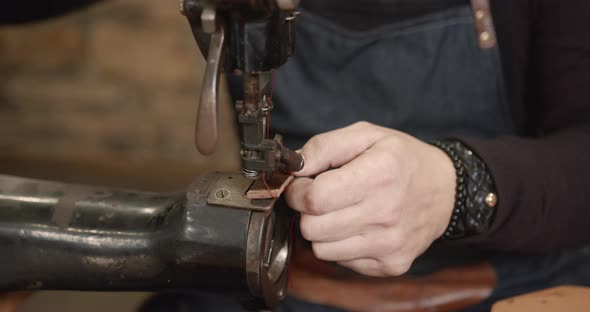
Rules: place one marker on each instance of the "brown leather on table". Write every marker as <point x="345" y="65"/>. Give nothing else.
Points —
<point x="329" y="284"/>
<point x="562" y="298"/>
<point x="9" y="302"/>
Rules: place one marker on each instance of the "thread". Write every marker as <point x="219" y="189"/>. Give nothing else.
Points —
<point x="270" y="103"/>
<point x="272" y="90"/>
<point x="263" y="177"/>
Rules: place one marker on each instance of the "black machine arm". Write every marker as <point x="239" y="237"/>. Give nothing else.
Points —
<point x="70" y="237"/>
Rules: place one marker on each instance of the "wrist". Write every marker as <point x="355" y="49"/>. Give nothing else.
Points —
<point x="447" y="184"/>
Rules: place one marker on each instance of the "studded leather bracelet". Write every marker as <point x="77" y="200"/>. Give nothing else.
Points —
<point x="476" y="197"/>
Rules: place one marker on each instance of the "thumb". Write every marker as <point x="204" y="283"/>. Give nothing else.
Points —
<point x="336" y="148"/>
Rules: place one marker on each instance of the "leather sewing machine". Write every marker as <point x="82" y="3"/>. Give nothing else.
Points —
<point x="212" y="237"/>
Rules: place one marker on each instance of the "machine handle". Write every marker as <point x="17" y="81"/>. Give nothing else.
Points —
<point x="206" y="131"/>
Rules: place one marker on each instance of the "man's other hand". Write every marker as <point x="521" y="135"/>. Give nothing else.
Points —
<point x="388" y="197"/>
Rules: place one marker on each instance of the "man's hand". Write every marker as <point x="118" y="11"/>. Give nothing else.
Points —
<point x="387" y="199"/>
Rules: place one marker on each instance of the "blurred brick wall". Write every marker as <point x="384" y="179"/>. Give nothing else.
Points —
<point x="120" y="79"/>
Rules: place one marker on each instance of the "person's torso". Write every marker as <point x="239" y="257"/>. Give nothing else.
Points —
<point x="412" y="65"/>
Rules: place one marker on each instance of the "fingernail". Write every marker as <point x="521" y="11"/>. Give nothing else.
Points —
<point x="293" y="161"/>
<point x="302" y="160"/>
<point x="300" y="163"/>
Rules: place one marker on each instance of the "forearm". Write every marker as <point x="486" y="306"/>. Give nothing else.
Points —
<point x="543" y="190"/>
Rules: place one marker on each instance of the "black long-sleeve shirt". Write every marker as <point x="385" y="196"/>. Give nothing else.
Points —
<point x="543" y="178"/>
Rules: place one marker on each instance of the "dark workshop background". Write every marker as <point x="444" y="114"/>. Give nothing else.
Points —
<point x="105" y="96"/>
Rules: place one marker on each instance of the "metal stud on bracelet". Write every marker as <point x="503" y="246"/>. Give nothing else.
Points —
<point x="476" y="198"/>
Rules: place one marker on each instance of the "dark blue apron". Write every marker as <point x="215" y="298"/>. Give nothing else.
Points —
<point x="425" y="76"/>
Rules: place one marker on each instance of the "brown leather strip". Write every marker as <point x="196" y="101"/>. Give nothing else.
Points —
<point x="273" y="189"/>
<point x="484" y="23"/>
<point x="329" y="284"/>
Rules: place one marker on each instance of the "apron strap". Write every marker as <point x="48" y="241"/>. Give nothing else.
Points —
<point x="484" y="24"/>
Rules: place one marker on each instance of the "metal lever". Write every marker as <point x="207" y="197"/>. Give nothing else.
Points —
<point x="206" y="130"/>
<point x="293" y="161"/>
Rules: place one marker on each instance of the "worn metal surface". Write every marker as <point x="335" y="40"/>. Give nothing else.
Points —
<point x="66" y="237"/>
<point x="259" y="40"/>
<point x="273" y="188"/>
<point x="231" y="190"/>
<point x="260" y="154"/>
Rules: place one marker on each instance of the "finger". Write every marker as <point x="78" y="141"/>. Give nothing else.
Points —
<point x="355" y="247"/>
<point x="295" y="193"/>
<point x="372" y="244"/>
<point x="365" y="266"/>
<point x="346" y="186"/>
<point x="335" y="226"/>
<point x="336" y="148"/>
